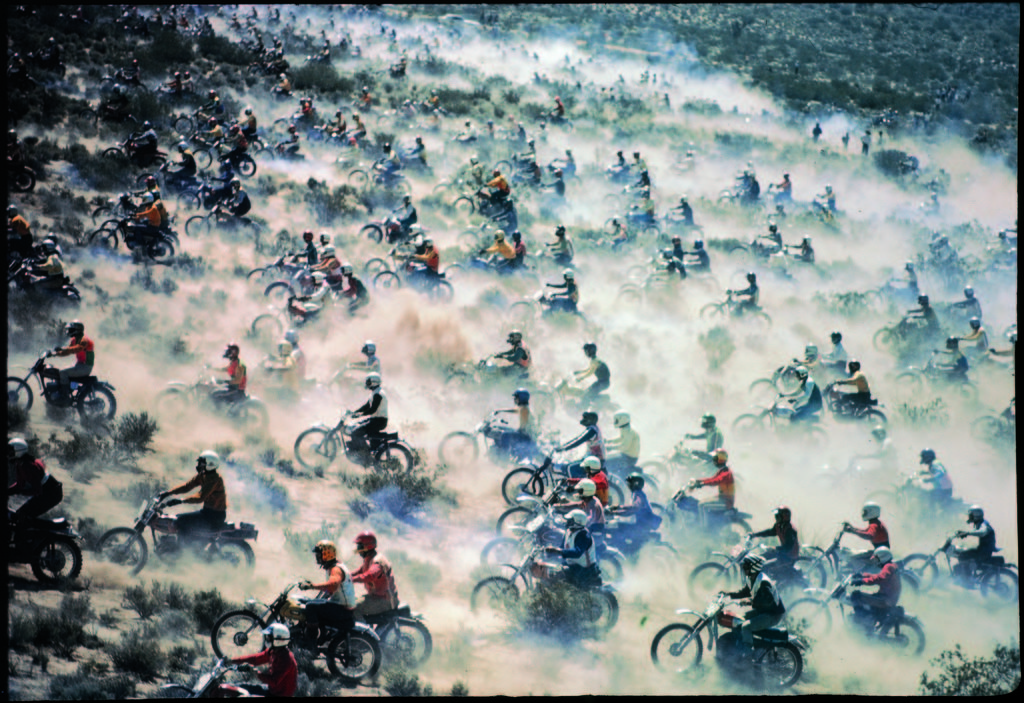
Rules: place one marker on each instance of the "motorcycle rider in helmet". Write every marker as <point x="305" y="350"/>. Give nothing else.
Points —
<point x="969" y="559"/>
<point x="237" y="377"/>
<point x="282" y="369"/>
<point x="567" y="301"/>
<point x="766" y="607"/>
<point x="590" y="501"/>
<point x="836" y="358"/>
<point x="702" y="262"/>
<point x="774" y="243"/>
<point x="929" y="321"/>
<point x="979" y="336"/>
<point x="517" y="442"/>
<point x="518" y="356"/>
<point x="561" y="249"/>
<point x="956" y="369"/>
<point x="875" y="532"/>
<point x="711" y="510"/>
<point x="334" y="604"/>
<point x="806" y="251"/>
<point x="747" y="299"/>
<point x="353" y="289"/>
<point x="372" y="362"/>
<point x="377" y="576"/>
<point x="870" y="608"/>
<point x="578" y="553"/>
<point x="934" y="478"/>
<point x="886" y="454"/>
<point x="596" y="368"/>
<point x="969" y="305"/>
<point x="375" y="410"/>
<point x="858" y="398"/>
<point x="85" y="355"/>
<point x="212" y="495"/>
<point x="591" y="437"/>
<point x="504" y="254"/>
<point x="685" y="211"/>
<point x="782" y="558"/>
<point x="281" y="679"/>
<point x="712" y="436"/>
<point x="624" y="450"/>
<point x="31" y="479"/>
<point x="644" y="519"/>
<point x="806" y="399"/>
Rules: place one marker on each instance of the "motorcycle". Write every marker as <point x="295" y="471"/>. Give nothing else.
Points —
<point x="599" y="612"/>
<point x="21" y="178"/>
<point x="208" y="684"/>
<point x="837" y="560"/>
<point x="912" y="382"/>
<point x="125" y="546"/>
<point x="352" y="657"/>
<point x="158" y="245"/>
<point x="463" y="447"/>
<point x="391" y="230"/>
<point x="21" y="277"/>
<point x="728" y="526"/>
<point x="750" y="425"/>
<point x="126" y="152"/>
<point x="317" y="448"/>
<point x="895" y="628"/>
<point x="92" y="398"/>
<point x="848" y="411"/>
<point x="180" y="398"/>
<point x="538" y="479"/>
<point x="50" y="547"/>
<point x="725" y="571"/>
<point x="776" y="661"/>
<point x="993" y="576"/>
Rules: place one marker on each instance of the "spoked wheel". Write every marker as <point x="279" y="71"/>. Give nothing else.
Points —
<point x="183" y="125"/>
<point x="441" y="292"/>
<point x="160" y="250"/>
<point x="600" y="610"/>
<point x="235" y="555"/>
<point x="676" y="649"/>
<point x="501" y="550"/>
<point x="407" y="643"/>
<point x="279" y="292"/>
<point x="266" y="329"/>
<point x="98" y="404"/>
<point x="1002" y="585"/>
<point x="246" y="166"/>
<point x="19" y="394"/>
<point x="708" y="578"/>
<point x="924" y="568"/>
<point x="56" y="558"/>
<point x="253" y="416"/>
<point x="465" y="205"/>
<point x="908" y="637"/>
<point x="458" y="449"/>
<point x="355" y="657"/>
<point x="515" y="516"/>
<point x="374" y="233"/>
<point x="810" y="616"/>
<point x="204" y="159"/>
<point x="375" y="266"/>
<point x="124" y="547"/>
<point x="387" y="280"/>
<point x="523" y="480"/>
<point x="316" y="449"/>
<point x="358" y="178"/>
<point x="713" y="311"/>
<point x="237" y="634"/>
<point x="105" y="239"/>
<point x="779" y="666"/>
<point x="394" y="457"/>
<point x="197" y="226"/>
<point x="496" y="594"/>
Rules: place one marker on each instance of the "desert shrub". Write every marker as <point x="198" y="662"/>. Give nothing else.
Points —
<point x="959" y="676"/>
<point x="329" y="204"/>
<point x="17" y="418"/>
<point x="848" y="304"/>
<point x="144" y="279"/>
<point x="403" y="684"/>
<point x="718" y="346"/>
<point x="78" y="454"/>
<point x="182" y="656"/>
<point x="139" y="653"/>
<point x="459" y="690"/>
<point x="400" y="493"/>
<point x="133" y="433"/>
<point x="208" y="606"/>
<point x="96" y="171"/>
<point x="62" y="630"/>
<point x="84" y="685"/>
<point x="322" y="78"/>
<point x="932" y="414"/>
<point x="221" y="50"/>
<point x="91" y="531"/>
<point x="553" y="609"/>
<point x="138" y="491"/>
<point x="146" y="602"/>
<point x="301" y="543"/>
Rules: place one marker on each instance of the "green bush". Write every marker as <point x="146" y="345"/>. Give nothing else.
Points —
<point x="398" y="492"/>
<point x="133" y="434"/>
<point x="145" y="602"/>
<point x="404" y="684"/>
<point x="959" y="676"/>
<point x="932" y="414"/>
<point x="221" y="50"/>
<point x="62" y="630"/>
<point x="83" y="685"/>
<point x="182" y="656"/>
<point x="139" y="653"/>
<point x="321" y="78"/>
<point x="207" y="607"/>
<point x="718" y="346"/>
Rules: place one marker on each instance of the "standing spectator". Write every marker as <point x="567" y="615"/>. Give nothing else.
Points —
<point x="865" y="142"/>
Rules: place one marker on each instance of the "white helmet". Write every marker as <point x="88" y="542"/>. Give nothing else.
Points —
<point x="576" y="519"/>
<point x="621" y="419"/>
<point x="568" y="275"/>
<point x="587" y="488"/>
<point x="17" y="447"/>
<point x="591" y="464"/>
<point x="276" y="635"/>
<point x="870" y="511"/>
<point x="327" y="251"/>
<point x="373" y="381"/>
<point x="212" y="459"/>
<point x="883" y="555"/>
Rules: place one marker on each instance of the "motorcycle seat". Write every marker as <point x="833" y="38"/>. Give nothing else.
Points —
<point x="995" y="561"/>
<point x="773" y="634"/>
<point x="387" y="436"/>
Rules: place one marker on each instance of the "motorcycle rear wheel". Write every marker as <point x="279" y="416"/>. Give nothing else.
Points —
<point x="670" y="654"/>
<point x="123" y="546"/>
<point x="407" y="643"/>
<point x="98" y="404"/>
<point x="55" y="559"/>
<point x="355" y="657"/>
<point x="779" y="666"/>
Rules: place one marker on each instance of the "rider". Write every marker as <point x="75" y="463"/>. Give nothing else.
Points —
<point x="935" y="477"/>
<point x="561" y="248"/>
<point x="406" y="215"/>
<point x="354" y="289"/>
<point x="19" y="232"/>
<point x="518" y="356"/>
<point x="875" y="532"/>
<point x="504" y="253"/>
<point x="810" y="359"/>
<point x="375" y="410"/>
<point x="50" y="267"/>
<point x="289" y="146"/>
<point x="143" y="143"/>
<point x="766" y="604"/>
<point x="598" y="369"/>
<point x="211" y="494"/>
<point x="627" y="446"/>
<point x="591" y="436"/>
<point x="213" y="108"/>
<point x="148" y="217"/>
<point x="188" y="167"/>
<point x="836" y="358"/>
<point x="372" y="362"/>
<point x="978" y="336"/>
<point x="390" y="163"/>
<point x="238" y="378"/>
<point x="750" y="295"/>
<point x="969" y="304"/>
<point x="578" y="552"/>
<point x="829" y="197"/>
<point x="712" y="435"/>
<point x="334" y="604"/>
<point x="516" y="440"/>
<point x="969" y="559"/>
<point x="520" y="249"/>
<point x="806" y="399"/>
<point x="722" y="478"/>
<point x="956" y="370"/>
<point x="858" y="398"/>
<point x="806" y="253"/>
<point x="31" y="479"/>
<point x="237" y="142"/>
<point x="429" y="261"/>
<point x="784" y="189"/>
<point x="685" y="211"/>
<point x="376" y="574"/>
<point x="703" y="263"/>
<point x="281" y="679"/>
<point x="248" y="123"/>
<point x="284" y="366"/>
<point x="774" y="238"/>
<point x="785" y="555"/>
<point x="645" y="519"/>
<point x="889" y="585"/>
<point x="500" y="189"/>
<point x="568" y="300"/>
<point x="299" y="356"/>
<point x="925" y="313"/>
<point x="85" y="355"/>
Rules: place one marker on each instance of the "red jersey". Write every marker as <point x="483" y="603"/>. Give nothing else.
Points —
<point x="282" y="678"/>
<point x="874" y="533"/>
<point x="87" y="355"/>
<point x="376" y="574"/>
<point x="236" y="370"/>
<point x="726" y="487"/>
<point x="888" y="582"/>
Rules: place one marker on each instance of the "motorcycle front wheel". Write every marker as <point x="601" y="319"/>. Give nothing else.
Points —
<point x="676" y="648"/>
<point x="124" y="547"/>
<point x="495" y="593"/>
<point x="809" y="617"/>
<point x="316" y="449"/>
<point x="237" y="634"/>
<point x="458" y="448"/>
<point x="19" y="394"/>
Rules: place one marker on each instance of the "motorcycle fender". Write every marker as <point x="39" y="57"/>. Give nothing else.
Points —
<point x="234" y="691"/>
<point x="366" y="630"/>
<point x="687" y="611"/>
<point x="104" y="384"/>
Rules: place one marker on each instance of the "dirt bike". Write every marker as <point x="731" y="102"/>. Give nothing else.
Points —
<point x="180" y="398"/>
<point x="391" y="230"/>
<point x="378" y="176"/>
<point x="459" y="447"/>
<point x="992" y="576"/>
<point x="734" y="308"/>
<point x="50" y="547"/>
<point x="599" y="612"/>
<point x="209" y="685"/>
<point x="539" y="479"/>
<point x="158" y="245"/>
<point x="433" y="284"/>
<point x="997" y="429"/>
<point x="21" y="277"/>
<point x="769" y="418"/>
<point x="92" y="398"/>
<point x="912" y="382"/>
<point x="351" y="656"/>
<point x="895" y="628"/>
<point x="775" y="662"/>
<point x="849" y="411"/>
<point x="317" y="448"/>
<point x="126" y="546"/>
<point x="836" y="560"/>
<point x="728" y="526"/>
<point x="503" y="213"/>
<point x="286" y="267"/>
<point x="725" y="571"/>
<point x="909" y="495"/>
<point x="126" y="152"/>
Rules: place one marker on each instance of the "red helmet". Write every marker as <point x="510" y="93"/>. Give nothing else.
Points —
<point x="366" y="542"/>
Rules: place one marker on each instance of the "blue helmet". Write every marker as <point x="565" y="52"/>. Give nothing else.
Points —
<point x="521" y="396"/>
